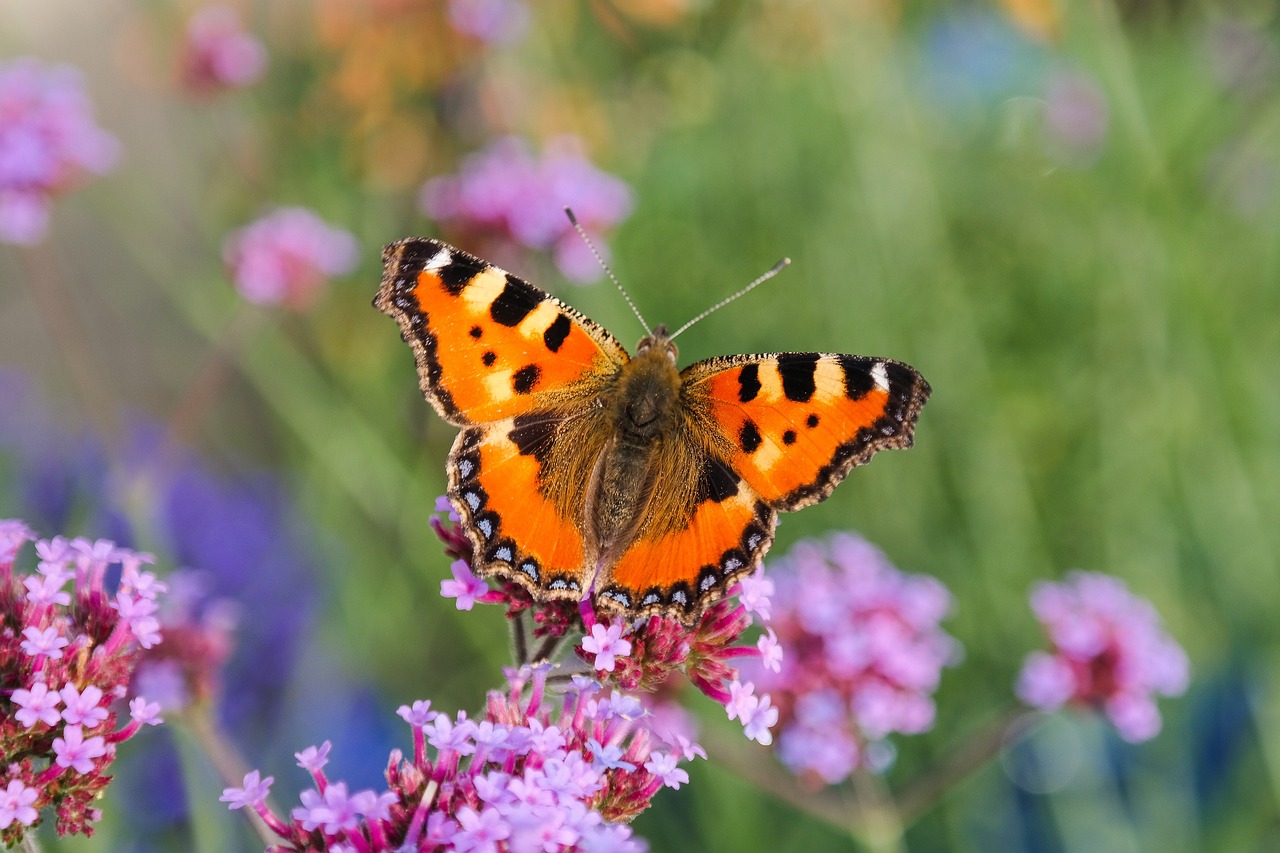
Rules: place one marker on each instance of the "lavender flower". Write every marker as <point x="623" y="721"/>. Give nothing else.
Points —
<point x="48" y="143"/>
<point x="536" y="773"/>
<point x="218" y="54"/>
<point x="862" y="652"/>
<point x="58" y="732"/>
<point x="287" y="256"/>
<point x="505" y="192"/>
<point x="1108" y="651"/>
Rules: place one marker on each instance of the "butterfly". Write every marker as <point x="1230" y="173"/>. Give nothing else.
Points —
<point x="582" y="471"/>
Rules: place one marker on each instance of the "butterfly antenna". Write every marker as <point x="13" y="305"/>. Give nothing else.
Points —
<point x="573" y="220"/>
<point x="777" y="268"/>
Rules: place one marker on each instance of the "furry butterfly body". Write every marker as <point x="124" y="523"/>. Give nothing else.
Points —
<point x="579" y="470"/>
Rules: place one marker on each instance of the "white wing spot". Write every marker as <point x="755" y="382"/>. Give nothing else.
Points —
<point x="881" y="376"/>
<point x="439" y="261"/>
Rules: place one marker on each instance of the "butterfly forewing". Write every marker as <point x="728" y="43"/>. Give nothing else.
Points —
<point x="796" y="423"/>
<point x="489" y="345"/>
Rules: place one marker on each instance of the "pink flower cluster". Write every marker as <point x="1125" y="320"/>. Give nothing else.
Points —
<point x="504" y="192"/>
<point x="862" y="654"/>
<point x="529" y="776"/>
<point x="645" y="655"/>
<point x="218" y="54"/>
<point x="1108" y="652"/>
<point x="48" y="143"/>
<point x="65" y="658"/>
<point x="287" y="256"/>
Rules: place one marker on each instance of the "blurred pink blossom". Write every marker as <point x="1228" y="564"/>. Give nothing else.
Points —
<point x="48" y="143"/>
<point x="502" y="21"/>
<point x="506" y="192"/>
<point x="218" y="54"/>
<point x="862" y="654"/>
<point x="287" y="256"/>
<point x="1108" y="651"/>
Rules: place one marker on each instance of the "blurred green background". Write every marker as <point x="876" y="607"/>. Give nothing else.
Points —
<point x="1065" y="214"/>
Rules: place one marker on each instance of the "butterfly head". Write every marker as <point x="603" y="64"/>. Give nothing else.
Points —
<point x="657" y="346"/>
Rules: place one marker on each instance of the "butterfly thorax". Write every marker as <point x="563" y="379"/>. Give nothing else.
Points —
<point x="641" y="407"/>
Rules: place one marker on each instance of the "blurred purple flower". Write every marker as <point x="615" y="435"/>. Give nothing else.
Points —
<point x="199" y="630"/>
<point x="504" y="191"/>
<point x="1076" y="118"/>
<point x="1108" y="651"/>
<point x="862" y="653"/>
<point x="502" y="21"/>
<point x="287" y="256"/>
<point x="218" y="54"/>
<point x="48" y="143"/>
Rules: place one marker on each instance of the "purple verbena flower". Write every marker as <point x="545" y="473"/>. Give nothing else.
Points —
<point x="252" y="792"/>
<point x="287" y="256"/>
<point x="1107" y="651"/>
<point x="48" y="143"/>
<point x="16" y="801"/>
<point x="68" y="660"/>
<point x="505" y="192"/>
<point x="499" y="783"/>
<point x="606" y="644"/>
<point x="466" y="587"/>
<point x="853" y="654"/>
<point x="218" y="54"/>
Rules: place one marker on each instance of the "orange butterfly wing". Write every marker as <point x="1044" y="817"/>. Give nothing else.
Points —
<point x="520" y="371"/>
<point x="766" y="433"/>
<point x="798" y="422"/>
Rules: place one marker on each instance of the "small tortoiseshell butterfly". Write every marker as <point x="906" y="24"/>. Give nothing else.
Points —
<point x="581" y="470"/>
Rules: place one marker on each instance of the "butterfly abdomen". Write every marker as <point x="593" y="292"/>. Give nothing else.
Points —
<point x="641" y="407"/>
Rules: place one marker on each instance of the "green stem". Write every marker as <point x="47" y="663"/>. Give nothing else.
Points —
<point x="879" y="822"/>
<point x="227" y="761"/>
<point x="929" y="785"/>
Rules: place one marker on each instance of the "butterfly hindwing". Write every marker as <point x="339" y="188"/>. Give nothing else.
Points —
<point x="796" y="423"/>
<point x="722" y="528"/>
<point x="489" y="345"/>
<point x="498" y="481"/>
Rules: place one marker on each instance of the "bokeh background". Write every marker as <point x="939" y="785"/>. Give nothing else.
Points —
<point x="1064" y="213"/>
